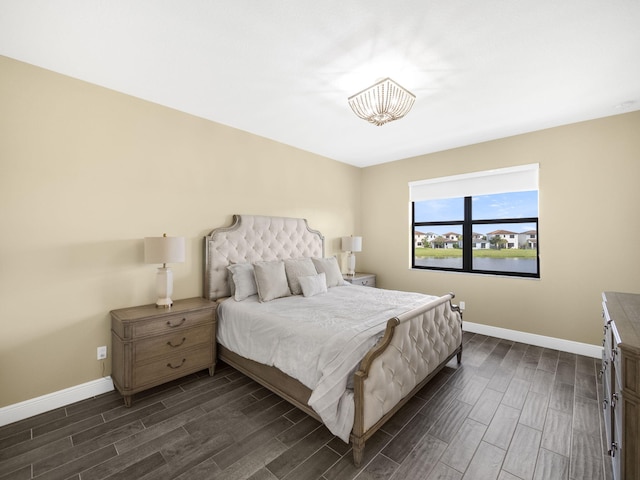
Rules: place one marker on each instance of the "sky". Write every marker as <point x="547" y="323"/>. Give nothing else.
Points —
<point x="485" y="207"/>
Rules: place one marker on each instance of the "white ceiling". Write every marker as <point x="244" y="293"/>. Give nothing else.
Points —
<point x="283" y="69"/>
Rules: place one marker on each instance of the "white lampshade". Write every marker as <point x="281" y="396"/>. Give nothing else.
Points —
<point x="164" y="249"/>
<point x="351" y="244"/>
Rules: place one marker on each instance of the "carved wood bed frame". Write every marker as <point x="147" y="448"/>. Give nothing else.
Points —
<point x="428" y="336"/>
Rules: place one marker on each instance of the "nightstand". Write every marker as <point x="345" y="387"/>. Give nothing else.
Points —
<point x="364" y="279"/>
<point x="151" y="345"/>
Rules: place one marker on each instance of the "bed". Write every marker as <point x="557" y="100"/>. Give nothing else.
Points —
<point x="349" y="356"/>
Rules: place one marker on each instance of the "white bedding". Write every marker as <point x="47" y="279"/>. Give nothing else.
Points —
<point x="318" y="340"/>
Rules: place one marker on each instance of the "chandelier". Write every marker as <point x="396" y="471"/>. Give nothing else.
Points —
<point x="382" y="102"/>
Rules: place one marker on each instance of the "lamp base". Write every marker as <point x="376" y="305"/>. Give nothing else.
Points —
<point x="164" y="285"/>
<point x="164" y="303"/>
<point x="351" y="264"/>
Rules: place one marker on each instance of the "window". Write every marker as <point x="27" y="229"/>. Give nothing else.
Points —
<point x="484" y="222"/>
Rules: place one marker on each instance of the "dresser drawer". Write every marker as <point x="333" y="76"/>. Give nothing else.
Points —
<point x="170" y="323"/>
<point x="169" y="344"/>
<point x="172" y="366"/>
<point x="631" y="374"/>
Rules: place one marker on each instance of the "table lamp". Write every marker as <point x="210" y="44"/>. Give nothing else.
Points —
<point x="351" y="244"/>
<point x="164" y="250"/>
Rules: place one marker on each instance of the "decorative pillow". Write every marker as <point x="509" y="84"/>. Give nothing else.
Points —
<point x="298" y="267"/>
<point x="313" y="284"/>
<point x="271" y="280"/>
<point x="242" y="281"/>
<point x="329" y="266"/>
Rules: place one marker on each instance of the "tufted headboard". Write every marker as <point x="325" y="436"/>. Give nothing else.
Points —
<point x="252" y="238"/>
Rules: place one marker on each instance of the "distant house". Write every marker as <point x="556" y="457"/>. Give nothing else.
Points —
<point x="511" y="238"/>
<point x="528" y="239"/>
<point x="452" y="240"/>
<point x="423" y="240"/>
<point x="479" y="241"/>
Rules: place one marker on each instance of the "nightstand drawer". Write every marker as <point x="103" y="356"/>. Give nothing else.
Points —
<point x="170" y="323"/>
<point x="363" y="279"/>
<point x="173" y="366"/>
<point x="165" y="345"/>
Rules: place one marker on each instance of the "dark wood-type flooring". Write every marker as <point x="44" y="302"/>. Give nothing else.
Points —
<point x="510" y="411"/>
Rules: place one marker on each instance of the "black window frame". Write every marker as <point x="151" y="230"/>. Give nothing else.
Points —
<point x="467" y="244"/>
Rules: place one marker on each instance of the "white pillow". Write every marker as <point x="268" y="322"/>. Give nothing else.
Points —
<point x="329" y="266"/>
<point x="298" y="267"/>
<point x="313" y="284"/>
<point x="271" y="280"/>
<point x="242" y="281"/>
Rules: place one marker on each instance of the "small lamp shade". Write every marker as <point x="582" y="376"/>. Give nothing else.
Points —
<point x="352" y="244"/>
<point x="164" y="250"/>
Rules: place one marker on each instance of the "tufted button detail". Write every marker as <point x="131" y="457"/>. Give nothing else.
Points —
<point x="418" y="346"/>
<point x="254" y="238"/>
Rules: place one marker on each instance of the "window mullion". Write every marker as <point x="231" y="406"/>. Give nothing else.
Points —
<point x="467" y="252"/>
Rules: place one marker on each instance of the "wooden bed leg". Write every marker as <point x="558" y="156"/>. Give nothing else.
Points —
<point x="358" y="451"/>
<point x="459" y="357"/>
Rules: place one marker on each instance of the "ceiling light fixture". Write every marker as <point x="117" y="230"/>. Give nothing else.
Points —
<point x="382" y="102"/>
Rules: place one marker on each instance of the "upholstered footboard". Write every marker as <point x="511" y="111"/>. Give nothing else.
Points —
<point x="416" y="346"/>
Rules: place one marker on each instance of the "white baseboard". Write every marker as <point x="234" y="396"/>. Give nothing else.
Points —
<point x="570" y="346"/>
<point x="36" y="406"/>
<point x="51" y="401"/>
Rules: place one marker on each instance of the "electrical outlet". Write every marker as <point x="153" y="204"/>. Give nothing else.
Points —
<point x="462" y="305"/>
<point x="102" y="353"/>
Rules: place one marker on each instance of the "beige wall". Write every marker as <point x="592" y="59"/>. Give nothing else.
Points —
<point x="85" y="174"/>
<point x="589" y="193"/>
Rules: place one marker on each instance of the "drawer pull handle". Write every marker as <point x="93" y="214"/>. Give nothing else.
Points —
<point x="175" y="346"/>
<point x="177" y="324"/>
<point x="614" y="400"/>
<point x="177" y="366"/>
<point x="605" y="404"/>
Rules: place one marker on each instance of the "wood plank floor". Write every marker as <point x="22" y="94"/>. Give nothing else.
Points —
<point x="510" y="411"/>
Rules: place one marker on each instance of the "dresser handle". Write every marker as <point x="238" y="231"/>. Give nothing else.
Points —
<point x="175" y="346"/>
<point x="604" y="405"/>
<point x="614" y="400"/>
<point x="176" y="325"/>
<point x="171" y="366"/>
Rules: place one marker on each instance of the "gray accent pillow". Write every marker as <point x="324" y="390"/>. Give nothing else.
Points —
<point x="313" y="284"/>
<point x="298" y="267"/>
<point x="329" y="266"/>
<point x="242" y="281"/>
<point x="271" y="280"/>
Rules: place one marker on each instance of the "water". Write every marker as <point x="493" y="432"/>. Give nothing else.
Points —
<point x="514" y="265"/>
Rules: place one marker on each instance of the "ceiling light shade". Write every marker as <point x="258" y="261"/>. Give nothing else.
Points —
<point x="382" y="102"/>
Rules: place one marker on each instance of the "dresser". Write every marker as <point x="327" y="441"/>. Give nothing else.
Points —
<point x="364" y="279"/>
<point x="151" y="345"/>
<point x="621" y="382"/>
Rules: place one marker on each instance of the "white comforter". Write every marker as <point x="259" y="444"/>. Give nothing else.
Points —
<point x="318" y="340"/>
